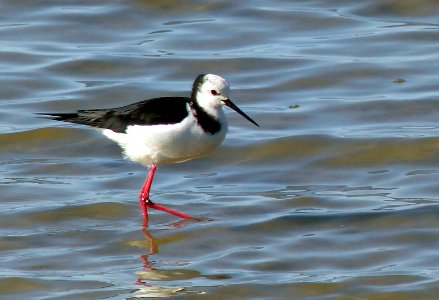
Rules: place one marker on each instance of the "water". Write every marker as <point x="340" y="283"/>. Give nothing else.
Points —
<point x="334" y="197"/>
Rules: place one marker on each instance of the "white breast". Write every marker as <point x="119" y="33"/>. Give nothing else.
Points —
<point x="168" y="143"/>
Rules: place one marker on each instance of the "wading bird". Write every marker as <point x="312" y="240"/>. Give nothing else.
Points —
<point x="165" y="129"/>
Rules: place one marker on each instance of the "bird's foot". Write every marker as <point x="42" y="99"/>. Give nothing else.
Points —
<point x="168" y="210"/>
<point x="145" y="203"/>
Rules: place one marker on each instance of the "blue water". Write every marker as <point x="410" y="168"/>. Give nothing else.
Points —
<point x="334" y="197"/>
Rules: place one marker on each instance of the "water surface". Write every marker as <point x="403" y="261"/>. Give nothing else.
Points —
<point x="334" y="197"/>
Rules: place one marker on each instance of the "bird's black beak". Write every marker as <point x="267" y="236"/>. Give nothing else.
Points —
<point x="232" y="105"/>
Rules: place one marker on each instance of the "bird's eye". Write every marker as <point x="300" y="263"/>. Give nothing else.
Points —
<point x="213" y="92"/>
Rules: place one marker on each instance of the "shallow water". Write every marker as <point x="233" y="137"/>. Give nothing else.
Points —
<point x="334" y="197"/>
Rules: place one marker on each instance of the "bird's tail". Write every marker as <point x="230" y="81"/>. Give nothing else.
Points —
<point x="66" y="117"/>
<point x="83" y="117"/>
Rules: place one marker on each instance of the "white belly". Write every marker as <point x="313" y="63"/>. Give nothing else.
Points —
<point x="173" y="143"/>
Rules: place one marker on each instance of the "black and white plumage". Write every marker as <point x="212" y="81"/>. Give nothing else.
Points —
<point x="166" y="129"/>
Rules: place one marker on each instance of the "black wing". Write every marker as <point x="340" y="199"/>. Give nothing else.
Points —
<point x="164" y="110"/>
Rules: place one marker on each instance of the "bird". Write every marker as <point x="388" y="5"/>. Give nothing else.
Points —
<point x="164" y="130"/>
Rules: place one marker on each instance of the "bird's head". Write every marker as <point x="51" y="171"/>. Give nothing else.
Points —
<point x="211" y="92"/>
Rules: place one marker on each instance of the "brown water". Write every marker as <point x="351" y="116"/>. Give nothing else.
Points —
<point x="336" y="196"/>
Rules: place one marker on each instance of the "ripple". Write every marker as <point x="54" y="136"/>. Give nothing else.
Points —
<point x="334" y="196"/>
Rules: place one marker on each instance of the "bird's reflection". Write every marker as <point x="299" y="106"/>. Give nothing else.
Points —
<point x="150" y="274"/>
<point x="153" y="249"/>
<point x="153" y="246"/>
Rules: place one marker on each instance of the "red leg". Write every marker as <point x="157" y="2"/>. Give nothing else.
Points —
<point x="144" y="192"/>
<point x="145" y="202"/>
<point x="170" y="211"/>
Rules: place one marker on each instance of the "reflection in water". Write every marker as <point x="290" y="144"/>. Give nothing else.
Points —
<point x="150" y="273"/>
<point x="152" y="250"/>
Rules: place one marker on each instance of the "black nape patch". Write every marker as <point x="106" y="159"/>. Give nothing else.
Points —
<point x="206" y="121"/>
<point x="197" y="85"/>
